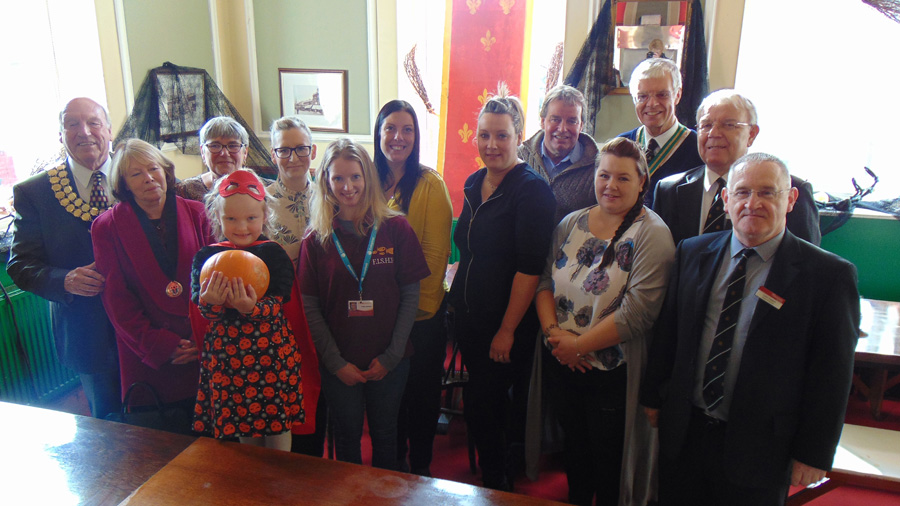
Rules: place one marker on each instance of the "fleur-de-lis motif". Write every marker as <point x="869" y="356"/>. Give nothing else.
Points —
<point x="507" y="5"/>
<point x="473" y="5"/>
<point x="483" y="97"/>
<point x="479" y="163"/>
<point x="487" y="41"/>
<point x="465" y="133"/>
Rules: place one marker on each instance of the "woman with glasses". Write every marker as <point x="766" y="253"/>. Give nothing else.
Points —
<point x="223" y="147"/>
<point x="292" y="151"/>
<point x="601" y="291"/>
<point x="420" y="193"/>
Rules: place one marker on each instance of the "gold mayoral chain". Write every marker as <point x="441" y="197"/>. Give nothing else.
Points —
<point x="62" y="189"/>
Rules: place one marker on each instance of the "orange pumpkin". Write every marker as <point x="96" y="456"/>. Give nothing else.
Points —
<point x="235" y="263"/>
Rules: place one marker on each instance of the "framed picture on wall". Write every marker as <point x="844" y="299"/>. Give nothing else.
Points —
<point x="181" y="103"/>
<point x="318" y="97"/>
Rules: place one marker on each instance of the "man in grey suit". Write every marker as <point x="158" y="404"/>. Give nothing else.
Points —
<point x="53" y="257"/>
<point x="751" y="361"/>
<point x="688" y="202"/>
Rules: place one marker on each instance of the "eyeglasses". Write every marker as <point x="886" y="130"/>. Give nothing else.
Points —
<point x="216" y="148"/>
<point x="725" y="126"/>
<point x="663" y="96"/>
<point x="300" y="151"/>
<point x="763" y="194"/>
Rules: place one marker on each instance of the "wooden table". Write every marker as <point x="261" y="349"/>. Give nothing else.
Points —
<point x="866" y="457"/>
<point x="50" y="457"/>
<point x="57" y="458"/>
<point x="878" y="349"/>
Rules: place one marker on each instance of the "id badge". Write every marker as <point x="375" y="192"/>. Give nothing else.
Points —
<point x="360" y="308"/>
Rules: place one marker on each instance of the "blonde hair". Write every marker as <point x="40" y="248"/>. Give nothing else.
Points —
<point x="503" y="102"/>
<point x="324" y="205"/>
<point x="128" y="151"/>
<point x="215" y="203"/>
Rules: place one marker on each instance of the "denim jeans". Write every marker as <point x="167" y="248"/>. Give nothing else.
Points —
<point x="380" y="401"/>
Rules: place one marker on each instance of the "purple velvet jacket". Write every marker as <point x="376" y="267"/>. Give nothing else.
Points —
<point x="148" y="323"/>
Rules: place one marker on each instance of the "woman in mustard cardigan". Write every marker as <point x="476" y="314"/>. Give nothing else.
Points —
<point x="420" y="193"/>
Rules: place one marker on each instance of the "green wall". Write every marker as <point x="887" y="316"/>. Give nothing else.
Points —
<point x="178" y="31"/>
<point x="873" y="245"/>
<point x="330" y="35"/>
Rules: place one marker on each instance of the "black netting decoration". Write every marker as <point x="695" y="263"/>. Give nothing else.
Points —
<point x="172" y="105"/>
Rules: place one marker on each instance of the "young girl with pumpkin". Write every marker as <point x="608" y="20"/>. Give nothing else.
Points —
<point x="250" y="364"/>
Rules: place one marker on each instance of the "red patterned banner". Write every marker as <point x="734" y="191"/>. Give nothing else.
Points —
<point x="485" y="44"/>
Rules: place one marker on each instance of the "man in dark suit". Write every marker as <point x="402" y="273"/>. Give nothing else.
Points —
<point x="688" y="202"/>
<point x="751" y="362"/>
<point x="52" y="255"/>
<point x="670" y="146"/>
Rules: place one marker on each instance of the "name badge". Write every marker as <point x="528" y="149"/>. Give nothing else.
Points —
<point x="360" y="308"/>
<point x="770" y="297"/>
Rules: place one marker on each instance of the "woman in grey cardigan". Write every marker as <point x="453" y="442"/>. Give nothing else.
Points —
<point x="600" y="293"/>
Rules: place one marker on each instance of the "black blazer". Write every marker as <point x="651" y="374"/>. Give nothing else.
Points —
<point x="677" y="201"/>
<point x="682" y="159"/>
<point x="49" y="242"/>
<point x="795" y="373"/>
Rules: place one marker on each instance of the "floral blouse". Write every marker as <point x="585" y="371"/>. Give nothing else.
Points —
<point x="584" y="293"/>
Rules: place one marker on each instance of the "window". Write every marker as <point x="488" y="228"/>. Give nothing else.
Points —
<point x="821" y="76"/>
<point x="51" y="55"/>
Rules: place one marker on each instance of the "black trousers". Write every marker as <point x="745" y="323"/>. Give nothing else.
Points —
<point x="313" y="444"/>
<point x="496" y="396"/>
<point x="590" y="407"/>
<point x="420" y="407"/>
<point x="698" y="475"/>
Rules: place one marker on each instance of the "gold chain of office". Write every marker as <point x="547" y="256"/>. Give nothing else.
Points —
<point x="65" y="194"/>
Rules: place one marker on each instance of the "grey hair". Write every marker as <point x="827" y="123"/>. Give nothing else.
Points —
<point x="62" y="112"/>
<point x="505" y="103"/>
<point x="569" y="95"/>
<point x="288" y="122"/>
<point x="652" y="68"/>
<point x="223" y="127"/>
<point x="215" y="203"/>
<point x="728" y="96"/>
<point x="756" y="158"/>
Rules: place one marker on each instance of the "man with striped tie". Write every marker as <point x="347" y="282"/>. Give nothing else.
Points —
<point x="52" y="254"/>
<point x="691" y="202"/>
<point x="751" y="361"/>
<point x="670" y="147"/>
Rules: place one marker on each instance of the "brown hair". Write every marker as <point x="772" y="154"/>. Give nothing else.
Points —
<point x="625" y="148"/>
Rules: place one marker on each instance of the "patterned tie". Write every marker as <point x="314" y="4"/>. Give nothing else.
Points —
<point x="98" y="192"/>
<point x="652" y="147"/>
<point x="715" y="219"/>
<point x="714" y="374"/>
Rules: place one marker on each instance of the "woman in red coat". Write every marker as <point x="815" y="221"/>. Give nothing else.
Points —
<point x="144" y="246"/>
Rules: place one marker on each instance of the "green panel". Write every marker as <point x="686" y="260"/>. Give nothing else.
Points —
<point x="872" y="245"/>
<point x="178" y="31"/>
<point x="329" y="35"/>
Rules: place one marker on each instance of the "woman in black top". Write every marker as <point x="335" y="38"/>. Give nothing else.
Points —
<point x="503" y="236"/>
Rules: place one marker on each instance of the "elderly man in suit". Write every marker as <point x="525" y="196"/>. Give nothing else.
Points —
<point x="752" y="358"/>
<point x="670" y="146"/>
<point x="689" y="202"/>
<point x="561" y="153"/>
<point x="52" y="255"/>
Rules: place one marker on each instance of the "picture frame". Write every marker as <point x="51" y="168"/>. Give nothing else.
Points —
<point x="182" y="104"/>
<point x="317" y="96"/>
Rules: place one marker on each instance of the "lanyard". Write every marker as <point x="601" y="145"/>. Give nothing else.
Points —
<point x="343" y="254"/>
